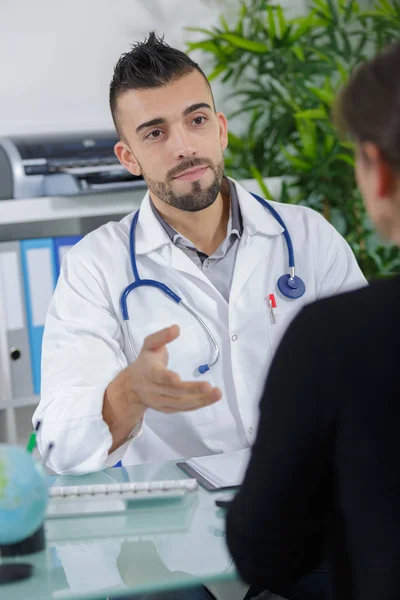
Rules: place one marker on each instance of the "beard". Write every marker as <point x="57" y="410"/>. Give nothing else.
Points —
<point x="199" y="197"/>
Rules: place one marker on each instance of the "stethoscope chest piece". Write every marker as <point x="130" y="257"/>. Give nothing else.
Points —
<point x="291" y="287"/>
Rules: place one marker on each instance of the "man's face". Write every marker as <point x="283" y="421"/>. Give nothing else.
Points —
<point x="175" y="140"/>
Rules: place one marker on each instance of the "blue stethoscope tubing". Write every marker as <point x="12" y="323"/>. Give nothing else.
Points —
<point x="289" y="284"/>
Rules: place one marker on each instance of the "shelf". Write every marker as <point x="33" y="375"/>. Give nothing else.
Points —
<point x="53" y="208"/>
<point x="21" y="402"/>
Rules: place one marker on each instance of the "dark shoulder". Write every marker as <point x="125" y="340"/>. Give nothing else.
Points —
<point x="355" y="315"/>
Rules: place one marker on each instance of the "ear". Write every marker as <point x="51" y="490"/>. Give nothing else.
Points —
<point x="385" y="175"/>
<point x="223" y="130"/>
<point x="126" y="158"/>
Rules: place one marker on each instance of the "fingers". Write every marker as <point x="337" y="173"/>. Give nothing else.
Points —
<point x="157" y="340"/>
<point x="188" y="403"/>
<point x="170" y="384"/>
<point x="163" y="377"/>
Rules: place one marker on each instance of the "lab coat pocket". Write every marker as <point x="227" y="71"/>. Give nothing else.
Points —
<point x="279" y="322"/>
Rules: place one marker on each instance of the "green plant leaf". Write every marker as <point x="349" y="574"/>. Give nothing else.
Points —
<point x="346" y="158"/>
<point x="298" y="52"/>
<point x="223" y="22"/>
<point x="373" y="13"/>
<point x="387" y="8"/>
<point x="318" y="53"/>
<point x="271" y="23"/>
<point x="217" y="71"/>
<point x="295" y="161"/>
<point x="258" y="177"/>
<point x="235" y="141"/>
<point x="281" y="21"/>
<point x="308" y="137"/>
<point x="333" y="14"/>
<point x="312" y="113"/>
<point x="245" y="44"/>
<point x="329" y="144"/>
<point x="361" y="44"/>
<point x="344" y="74"/>
<point x="323" y="95"/>
<point x="200" y="30"/>
<point x="208" y="46"/>
<point x="348" y="7"/>
<point x="321" y="6"/>
<point x="348" y="145"/>
<point x="305" y="24"/>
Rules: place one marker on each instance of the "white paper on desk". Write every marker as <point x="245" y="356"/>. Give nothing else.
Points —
<point x="222" y="470"/>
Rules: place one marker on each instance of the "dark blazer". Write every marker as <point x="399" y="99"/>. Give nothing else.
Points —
<point x="325" y="467"/>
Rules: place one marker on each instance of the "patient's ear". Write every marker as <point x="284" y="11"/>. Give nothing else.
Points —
<point x="385" y="176"/>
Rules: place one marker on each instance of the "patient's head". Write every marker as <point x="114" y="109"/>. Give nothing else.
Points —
<point x="369" y="110"/>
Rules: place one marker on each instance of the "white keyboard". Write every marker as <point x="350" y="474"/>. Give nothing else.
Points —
<point x="135" y="487"/>
<point x="86" y="500"/>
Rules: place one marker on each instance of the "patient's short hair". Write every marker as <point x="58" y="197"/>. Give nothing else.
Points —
<point x="368" y="108"/>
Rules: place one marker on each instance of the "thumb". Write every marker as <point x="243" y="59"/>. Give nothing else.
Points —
<point x="157" y="340"/>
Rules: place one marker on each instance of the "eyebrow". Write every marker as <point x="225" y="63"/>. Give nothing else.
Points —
<point x="162" y="121"/>
<point x="195" y="107"/>
<point x="158" y="121"/>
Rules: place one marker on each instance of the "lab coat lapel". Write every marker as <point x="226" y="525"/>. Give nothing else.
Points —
<point x="247" y="259"/>
<point x="181" y="262"/>
<point x="259" y="229"/>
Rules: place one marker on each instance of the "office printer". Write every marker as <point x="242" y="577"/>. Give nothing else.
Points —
<point x="63" y="164"/>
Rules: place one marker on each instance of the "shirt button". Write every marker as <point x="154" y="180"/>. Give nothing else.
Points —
<point x="250" y="430"/>
<point x="234" y="338"/>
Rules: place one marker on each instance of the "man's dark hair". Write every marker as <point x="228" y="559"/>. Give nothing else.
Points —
<point x="368" y="108"/>
<point x="150" y="64"/>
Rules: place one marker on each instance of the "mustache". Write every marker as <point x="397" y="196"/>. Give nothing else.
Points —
<point x="191" y="163"/>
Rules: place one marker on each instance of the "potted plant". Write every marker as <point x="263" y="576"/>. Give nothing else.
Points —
<point x="284" y="74"/>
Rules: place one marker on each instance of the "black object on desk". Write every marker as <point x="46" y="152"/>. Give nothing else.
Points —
<point x="34" y="543"/>
<point x="223" y="503"/>
<point x="10" y="572"/>
<point x="15" y="572"/>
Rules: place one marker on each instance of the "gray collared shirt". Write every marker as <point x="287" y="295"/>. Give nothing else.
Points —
<point x="218" y="267"/>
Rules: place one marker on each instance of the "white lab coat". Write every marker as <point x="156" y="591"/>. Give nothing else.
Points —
<point x="85" y="346"/>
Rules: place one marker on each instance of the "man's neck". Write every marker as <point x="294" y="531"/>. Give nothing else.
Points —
<point x="207" y="228"/>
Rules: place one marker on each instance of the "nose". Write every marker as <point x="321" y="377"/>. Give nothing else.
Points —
<point x="183" y="144"/>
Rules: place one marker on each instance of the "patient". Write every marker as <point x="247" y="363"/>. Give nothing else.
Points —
<point x="324" y="477"/>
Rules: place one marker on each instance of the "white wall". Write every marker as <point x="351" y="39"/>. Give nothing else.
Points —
<point x="56" y="58"/>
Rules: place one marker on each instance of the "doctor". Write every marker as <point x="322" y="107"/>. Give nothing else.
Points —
<point x="175" y="365"/>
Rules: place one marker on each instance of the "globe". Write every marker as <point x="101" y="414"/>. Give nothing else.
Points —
<point x="23" y="494"/>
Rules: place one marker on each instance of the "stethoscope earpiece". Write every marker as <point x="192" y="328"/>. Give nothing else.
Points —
<point x="291" y="287"/>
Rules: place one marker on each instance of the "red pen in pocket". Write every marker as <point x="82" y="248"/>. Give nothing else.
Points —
<point x="272" y="306"/>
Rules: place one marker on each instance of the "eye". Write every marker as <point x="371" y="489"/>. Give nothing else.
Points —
<point x="199" y="120"/>
<point x="153" y="135"/>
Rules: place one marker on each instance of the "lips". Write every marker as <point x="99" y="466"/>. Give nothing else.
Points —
<point x="192" y="174"/>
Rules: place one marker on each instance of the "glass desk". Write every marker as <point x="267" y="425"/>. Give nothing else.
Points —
<point x="150" y="548"/>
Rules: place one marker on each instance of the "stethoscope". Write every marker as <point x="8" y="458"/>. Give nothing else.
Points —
<point x="289" y="284"/>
